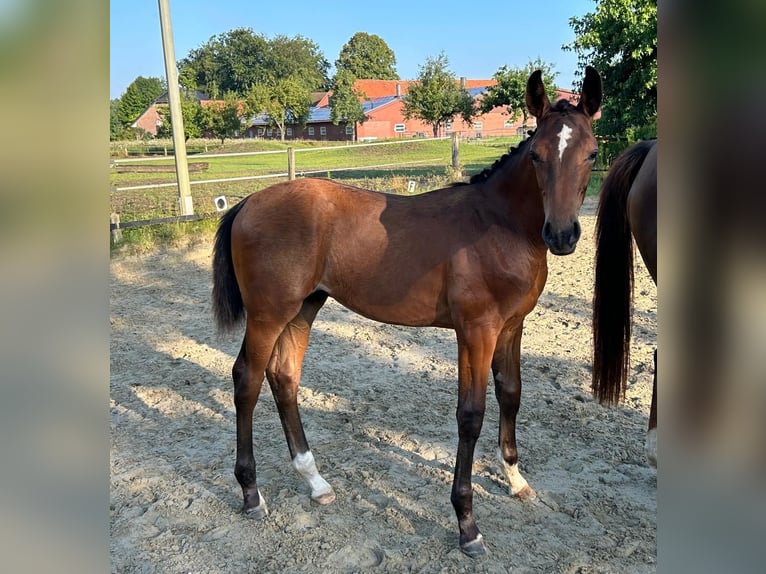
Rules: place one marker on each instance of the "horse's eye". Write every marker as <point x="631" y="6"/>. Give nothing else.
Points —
<point x="534" y="155"/>
<point x="593" y="155"/>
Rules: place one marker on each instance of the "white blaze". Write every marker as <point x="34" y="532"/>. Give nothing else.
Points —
<point x="564" y="135"/>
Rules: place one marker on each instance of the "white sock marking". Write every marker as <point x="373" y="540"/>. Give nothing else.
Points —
<point x="564" y="135"/>
<point x="651" y="447"/>
<point x="515" y="480"/>
<point x="307" y="468"/>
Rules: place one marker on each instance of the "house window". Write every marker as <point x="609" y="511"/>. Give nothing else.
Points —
<point x="322" y="131"/>
<point x="477" y="125"/>
<point x="289" y="132"/>
<point x="399" y="128"/>
<point x="260" y="131"/>
<point x="349" y="130"/>
<point x="448" y="125"/>
<point x="268" y="132"/>
<point x="508" y="124"/>
<point x="311" y="130"/>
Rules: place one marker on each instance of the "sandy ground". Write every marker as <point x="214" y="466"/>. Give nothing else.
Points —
<point x="378" y="405"/>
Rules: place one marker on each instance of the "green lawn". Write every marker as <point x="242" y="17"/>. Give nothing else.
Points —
<point x="427" y="162"/>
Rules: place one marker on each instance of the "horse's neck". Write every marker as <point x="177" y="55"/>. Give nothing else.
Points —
<point x="515" y="187"/>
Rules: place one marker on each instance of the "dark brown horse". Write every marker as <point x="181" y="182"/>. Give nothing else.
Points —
<point x="627" y="207"/>
<point x="470" y="257"/>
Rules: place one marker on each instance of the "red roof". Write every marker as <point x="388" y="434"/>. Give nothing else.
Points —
<point x="379" y="88"/>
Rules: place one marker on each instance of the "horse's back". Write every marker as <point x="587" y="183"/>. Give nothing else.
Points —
<point x="642" y="210"/>
<point x="363" y="248"/>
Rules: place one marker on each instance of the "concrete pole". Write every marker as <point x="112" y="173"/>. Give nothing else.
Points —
<point x="290" y="163"/>
<point x="455" y="151"/>
<point x="174" y="99"/>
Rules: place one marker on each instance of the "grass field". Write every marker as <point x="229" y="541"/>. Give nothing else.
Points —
<point x="427" y="162"/>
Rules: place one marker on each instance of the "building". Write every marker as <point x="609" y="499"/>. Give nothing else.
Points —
<point x="383" y="106"/>
<point x="150" y="118"/>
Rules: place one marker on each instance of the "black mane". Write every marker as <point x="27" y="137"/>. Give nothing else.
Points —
<point x="562" y="106"/>
<point x="485" y="174"/>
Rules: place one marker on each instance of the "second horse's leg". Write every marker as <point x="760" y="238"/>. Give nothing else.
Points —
<point x="651" y="435"/>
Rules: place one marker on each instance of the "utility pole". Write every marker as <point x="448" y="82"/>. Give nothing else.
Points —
<point x="174" y="99"/>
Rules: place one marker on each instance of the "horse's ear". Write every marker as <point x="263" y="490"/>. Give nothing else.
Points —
<point x="590" y="98"/>
<point x="537" y="100"/>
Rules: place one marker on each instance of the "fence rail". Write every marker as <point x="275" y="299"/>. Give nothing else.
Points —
<point x="116" y="226"/>
<point x="266" y="176"/>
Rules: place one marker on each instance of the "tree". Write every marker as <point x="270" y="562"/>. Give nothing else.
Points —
<point x="620" y="40"/>
<point x="285" y="102"/>
<point x="230" y="62"/>
<point x="222" y="119"/>
<point x="190" y="115"/>
<point x="237" y="60"/>
<point x="511" y="88"/>
<point x="345" y="102"/>
<point x="436" y="97"/>
<point x="367" y="57"/>
<point x="116" y="128"/>
<point x="300" y="59"/>
<point x="137" y="97"/>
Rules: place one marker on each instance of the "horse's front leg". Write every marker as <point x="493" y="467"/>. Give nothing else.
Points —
<point x="506" y="370"/>
<point x="474" y="356"/>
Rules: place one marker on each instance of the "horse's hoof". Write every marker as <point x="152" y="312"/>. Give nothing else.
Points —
<point x="474" y="548"/>
<point x="257" y="513"/>
<point x="325" y="498"/>
<point x="527" y="493"/>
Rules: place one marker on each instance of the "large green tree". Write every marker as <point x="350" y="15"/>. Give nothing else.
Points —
<point x="237" y="60"/>
<point x="137" y="97"/>
<point x="345" y="102"/>
<point x="620" y="40"/>
<point x="437" y="97"/>
<point x="367" y="57"/>
<point x="511" y="88"/>
<point x="300" y="59"/>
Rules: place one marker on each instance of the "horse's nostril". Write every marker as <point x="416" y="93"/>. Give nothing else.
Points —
<point x="576" y="231"/>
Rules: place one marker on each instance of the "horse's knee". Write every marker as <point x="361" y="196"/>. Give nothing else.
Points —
<point x="469" y="422"/>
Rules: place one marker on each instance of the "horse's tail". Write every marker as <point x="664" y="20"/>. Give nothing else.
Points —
<point x="613" y="293"/>
<point x="228" y="308"/>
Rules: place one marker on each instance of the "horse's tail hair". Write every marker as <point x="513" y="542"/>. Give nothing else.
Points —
<point x="228" y="308"/>
<point x="613" y="292"/>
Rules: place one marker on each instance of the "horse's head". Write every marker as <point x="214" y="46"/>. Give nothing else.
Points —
<point x="563" y="151"/>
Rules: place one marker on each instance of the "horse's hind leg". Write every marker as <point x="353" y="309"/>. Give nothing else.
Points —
<point x="283" y="373"/>
<point x="248" y="372"/>
<point x="651" y="435"/>
<point x="506" y="371"/>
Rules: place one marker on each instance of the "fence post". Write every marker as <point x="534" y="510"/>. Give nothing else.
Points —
<point x="455" y="152"/>
<point x="116" y="232"/>
<point x="290" y="163"/>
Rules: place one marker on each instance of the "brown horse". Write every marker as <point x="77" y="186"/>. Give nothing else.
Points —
<point x="627" y="206"/>
<point x="469" y="257"/>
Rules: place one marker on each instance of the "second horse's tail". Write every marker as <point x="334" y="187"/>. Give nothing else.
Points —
<point x="613" y="292"/>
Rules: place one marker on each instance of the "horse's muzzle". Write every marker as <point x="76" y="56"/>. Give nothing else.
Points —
<point x="561" y="241"/>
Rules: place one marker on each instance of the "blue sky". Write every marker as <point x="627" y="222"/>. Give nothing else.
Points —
<point x="477" y="37"/>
